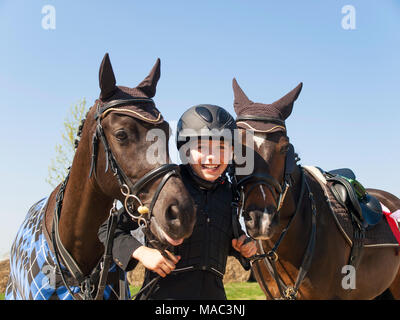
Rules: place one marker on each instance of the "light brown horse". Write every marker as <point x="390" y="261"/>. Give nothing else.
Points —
<point x="111" y="162"/>
<point x="275" y="205"/>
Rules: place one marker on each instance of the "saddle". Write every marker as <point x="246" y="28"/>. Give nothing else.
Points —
<point x="342" y="198"/>
<point x="349" y="192"/>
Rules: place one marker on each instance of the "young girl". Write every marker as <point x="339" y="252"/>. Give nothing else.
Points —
<point x="196" y="267"/>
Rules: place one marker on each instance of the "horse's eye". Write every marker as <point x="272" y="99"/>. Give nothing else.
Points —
<point x="121" y="135"/>
<point x="246" y="215"/>
<point x="285" y="148"/>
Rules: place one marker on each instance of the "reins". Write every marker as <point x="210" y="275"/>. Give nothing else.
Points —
<point x="140" y="213"/>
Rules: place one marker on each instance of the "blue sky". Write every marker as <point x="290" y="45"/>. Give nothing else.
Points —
<point x="346" y="116"/>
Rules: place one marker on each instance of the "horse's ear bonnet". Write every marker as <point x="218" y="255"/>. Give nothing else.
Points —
<point x="277" y="112"/>
<point x="285" y="104"/>
<point x="149" y="84"/>
<point x="145" y="111"/>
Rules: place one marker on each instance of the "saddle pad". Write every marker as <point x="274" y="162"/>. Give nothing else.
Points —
<point x="379" y="235"/>
<point x="33" y="272"/>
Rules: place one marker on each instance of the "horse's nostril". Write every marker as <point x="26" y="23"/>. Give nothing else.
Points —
<point x="173" y="214"/>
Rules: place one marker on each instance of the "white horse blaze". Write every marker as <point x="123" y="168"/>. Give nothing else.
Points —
<point x="258" y="141"/>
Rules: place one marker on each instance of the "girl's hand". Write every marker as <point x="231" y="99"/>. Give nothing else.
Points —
<point x="153" y="260"/>
<point x="246" y="250"/>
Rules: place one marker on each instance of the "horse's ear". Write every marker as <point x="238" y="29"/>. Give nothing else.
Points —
<point x="149" y="84"/>
<point x="285" y="104"/>
<point x="106" y="78"/>
<point x="241" y="99"/>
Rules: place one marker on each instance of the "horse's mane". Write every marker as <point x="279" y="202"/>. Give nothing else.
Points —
<point x="80" y="129"/>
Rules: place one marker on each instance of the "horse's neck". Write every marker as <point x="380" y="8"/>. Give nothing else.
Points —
<point x="84" y="209"/>
<point x="294" y="244"/>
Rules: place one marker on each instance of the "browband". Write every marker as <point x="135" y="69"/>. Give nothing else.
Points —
<point x="260" y="118"/>
<point x="120" y="103"/>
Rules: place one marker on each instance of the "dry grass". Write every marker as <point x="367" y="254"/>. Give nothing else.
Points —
<point x="4" y="272"/>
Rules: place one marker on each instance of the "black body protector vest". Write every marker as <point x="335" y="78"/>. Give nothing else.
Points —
<point x="211" y="241"/>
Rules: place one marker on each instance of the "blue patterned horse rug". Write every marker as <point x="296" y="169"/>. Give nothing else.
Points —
<point x="34" y="274"/>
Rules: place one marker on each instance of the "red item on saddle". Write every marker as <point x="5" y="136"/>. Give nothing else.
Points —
<point x="392" y="219"/>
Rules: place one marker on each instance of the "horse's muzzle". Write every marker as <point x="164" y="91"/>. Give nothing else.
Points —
<point x="261" y="224"/>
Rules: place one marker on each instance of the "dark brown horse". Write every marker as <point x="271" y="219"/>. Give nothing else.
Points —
<point x="112" y="161"/>
<point x="285" y="209"/>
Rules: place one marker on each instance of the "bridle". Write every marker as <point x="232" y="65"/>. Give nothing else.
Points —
<point x="140" y="213"/>
<point x="259" y="180"/>
<point x="263" y="179"/>
<point x="128" y="189"/>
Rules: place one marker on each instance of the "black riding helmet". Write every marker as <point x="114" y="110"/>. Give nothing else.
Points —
<point x="205" y="120"/>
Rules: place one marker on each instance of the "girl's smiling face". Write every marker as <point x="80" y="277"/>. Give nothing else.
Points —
<point x="210" y="158"/>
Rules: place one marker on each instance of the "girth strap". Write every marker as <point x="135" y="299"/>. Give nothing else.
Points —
<point x="358" y="244"/>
